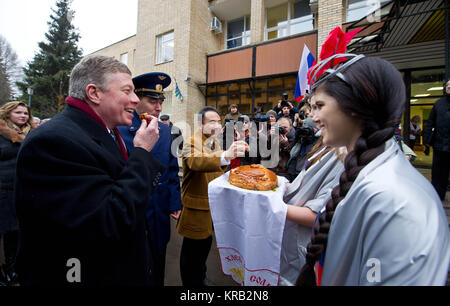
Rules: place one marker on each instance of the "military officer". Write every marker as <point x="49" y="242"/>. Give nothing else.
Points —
<point x="165" y="201"/>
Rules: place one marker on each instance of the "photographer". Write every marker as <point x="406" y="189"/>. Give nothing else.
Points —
<point x="272" y="117"/>
<point x="301" y="115"/>
<point x="263" y="125"/>
<point x="306" y="137"/>
<point x="245" y="130"/>
<point x="284" y="108"/>
<point x="228" y="133"/>
<point x="280" y="137"/>
<point x="234" y="113"/>
<point x="305" y="101"/>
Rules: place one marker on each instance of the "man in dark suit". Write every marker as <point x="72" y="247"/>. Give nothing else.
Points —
<point x="437" y="134"/>
<point x="166" y="198"/>
<point x="80" y="198"/>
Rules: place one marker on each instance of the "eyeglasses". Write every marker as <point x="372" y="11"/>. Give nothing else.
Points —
<point x="315" y="71"/>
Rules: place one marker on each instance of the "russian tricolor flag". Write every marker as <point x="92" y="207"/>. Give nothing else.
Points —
<point x="302" y="80"/>
<point x="319" y="269"/>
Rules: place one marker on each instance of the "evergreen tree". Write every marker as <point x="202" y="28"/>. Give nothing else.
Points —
<point x="48" y="72"/>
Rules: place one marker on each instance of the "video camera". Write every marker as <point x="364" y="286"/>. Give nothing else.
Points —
<point x="304" y="135"/>
<point x="261" y="119"/>
<point x="302" y="115"/>
<point x="284" y="100"/>
<point x="230" y="129"/>
<point x="230" y="120"/>
<point x="260" y="123"/>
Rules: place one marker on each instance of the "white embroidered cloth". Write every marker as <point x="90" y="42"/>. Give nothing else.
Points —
<point x="249" y="230"/>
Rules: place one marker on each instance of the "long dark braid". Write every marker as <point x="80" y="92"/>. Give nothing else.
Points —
<point x="375" y="94"/>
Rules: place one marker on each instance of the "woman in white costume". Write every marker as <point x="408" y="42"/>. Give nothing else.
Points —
<point x="384" y="223"/>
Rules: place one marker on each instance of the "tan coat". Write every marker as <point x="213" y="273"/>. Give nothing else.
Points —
<point x="233" y="117"/>
<point x="201" y="165"/>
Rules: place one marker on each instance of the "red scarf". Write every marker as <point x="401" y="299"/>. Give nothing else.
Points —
<point x="85" y="108"/>
<point x="235" y="162"/>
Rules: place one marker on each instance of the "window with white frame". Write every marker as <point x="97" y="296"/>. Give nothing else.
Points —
<point x="289" y="18"/>
<point x="238" y="32"/>
<point x="124" y="58"/>
<point x="357" y="9"/>
<point x="165" y="46"/>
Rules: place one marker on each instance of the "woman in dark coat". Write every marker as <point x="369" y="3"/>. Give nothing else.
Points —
<point x="15" y="124"/>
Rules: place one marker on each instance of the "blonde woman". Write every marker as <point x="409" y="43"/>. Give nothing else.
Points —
<point x="15" y="123"/>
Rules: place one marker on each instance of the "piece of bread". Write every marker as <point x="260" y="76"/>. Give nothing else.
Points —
<point x="253" y="177"/>
<point x="145" y="116"/>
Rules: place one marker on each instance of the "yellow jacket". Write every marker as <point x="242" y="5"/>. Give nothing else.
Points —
<point x="201" y="165"/>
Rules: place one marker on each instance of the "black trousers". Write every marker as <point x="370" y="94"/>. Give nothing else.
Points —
<point x="159" y="268"/>
<point x="10" y="245"/>
<point x="193" y="261"/>
<point x="440" y="172"/>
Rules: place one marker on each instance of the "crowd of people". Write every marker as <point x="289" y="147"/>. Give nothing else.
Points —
<point x="86" y="198"/>
<point x="280" y="140"/>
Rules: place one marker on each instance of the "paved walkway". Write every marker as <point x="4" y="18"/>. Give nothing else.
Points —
<point x="214" y="274"/>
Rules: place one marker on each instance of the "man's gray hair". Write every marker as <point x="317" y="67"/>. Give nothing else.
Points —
<point x="93" y="69"/>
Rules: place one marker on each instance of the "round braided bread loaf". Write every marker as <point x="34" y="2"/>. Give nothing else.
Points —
<point x="253" y="177"/>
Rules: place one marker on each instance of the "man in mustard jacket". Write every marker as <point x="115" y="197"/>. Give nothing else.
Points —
<point x="203" y="161"/>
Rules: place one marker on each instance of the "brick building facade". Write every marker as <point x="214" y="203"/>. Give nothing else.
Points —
<point x="247" y="52"/>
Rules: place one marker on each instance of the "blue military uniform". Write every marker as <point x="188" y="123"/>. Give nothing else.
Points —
<point x="166" y="197"/>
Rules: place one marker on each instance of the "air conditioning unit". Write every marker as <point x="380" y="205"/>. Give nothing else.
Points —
<point x="216" y="25"/>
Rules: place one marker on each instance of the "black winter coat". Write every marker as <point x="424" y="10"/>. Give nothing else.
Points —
<point x="8" y="156"/>
<point x="77" y="198"/>
<point x="439" y="120"/>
